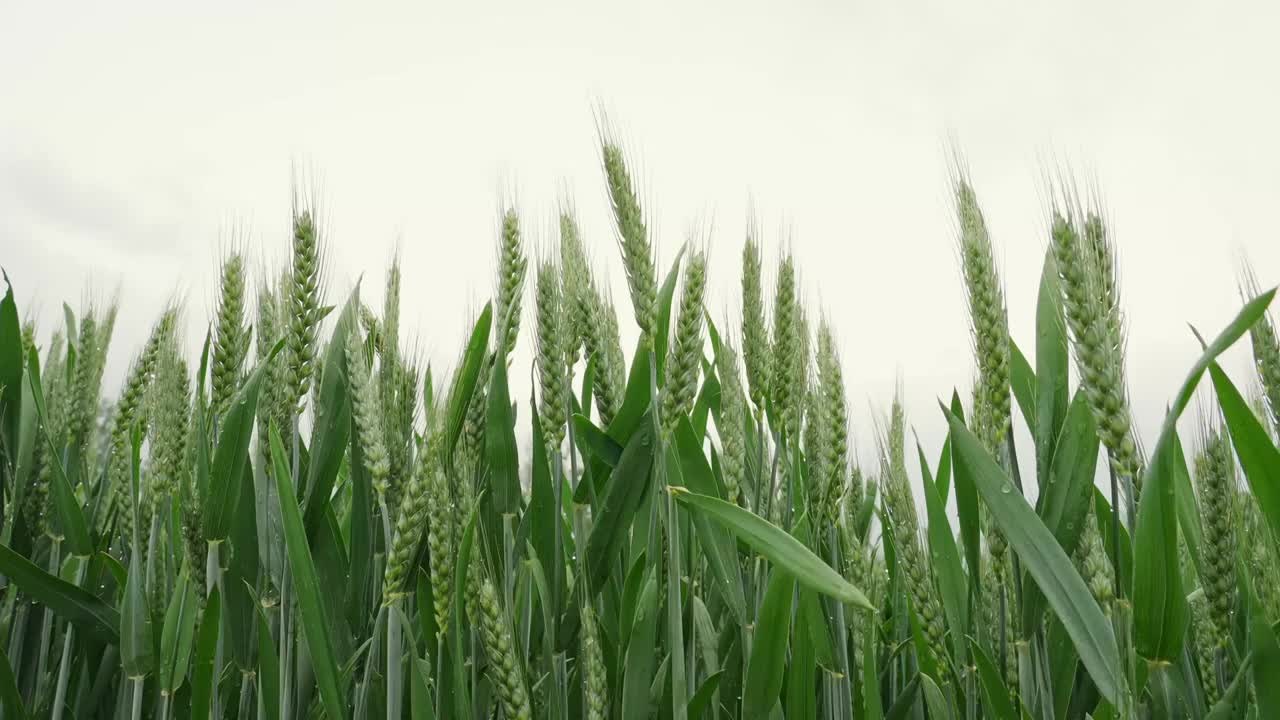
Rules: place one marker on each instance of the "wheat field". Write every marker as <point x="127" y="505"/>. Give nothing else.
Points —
<point x="299" y="519"/>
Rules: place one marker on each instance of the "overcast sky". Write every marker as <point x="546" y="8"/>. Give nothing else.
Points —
<point x="139" y="140"/>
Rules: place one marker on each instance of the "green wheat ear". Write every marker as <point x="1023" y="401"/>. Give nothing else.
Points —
<point x="787" y="381"/>
<point x="605" y="345"/>
<point x="366" y="415"/>
<point x="1266" y="347"/>
<point x="1216" y="491"/>
<point x="231" y="337"/>
<point x="28" y="336"/>
<point x="387" y="344"/>
<point x="82" y="401"/>
<point x="815" y="438"/>
<point x="684" y="357"/>
<point x="1098" y="344"/>
<point x="274" y="403"/>
<point x="1206" y="647"/>
<point x="303" y="303"/>
<point x="911" y="559"/>
<point x="575" y="285"/>
<point x="1094" y="565"/>
<point x="552" y="335"/>
<point x="1262" y="557"/>
<point x="987" y="316"/>
<point x="130" y="412"/>
<point x="595" y="682"/>
<point x="511" y="273"/>
<point x="506" y="664"/>
<point x="426" y="510"/>
<point x="755" y="334"/>
<point x="730" y="428"/>
<point x="171" y="403"/>
<point x="633" y="237"/>
<point x="833" y="415"/>
<point x="53" y="373"/>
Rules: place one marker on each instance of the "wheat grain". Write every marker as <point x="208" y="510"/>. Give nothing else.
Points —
<point x="733" y="449"/>
<point x="511" y="272"/>
<point x="633" y="237"/>
<point x="684" y="357"/>
<point x="231" y="338"/>
<point x="1216" y="491"/>
<point x="755" y="334"/>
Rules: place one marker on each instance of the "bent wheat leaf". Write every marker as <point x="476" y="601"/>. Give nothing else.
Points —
<point x="137" y="652"/>
<point x="952" y="583"/>
<point x="230" y="457"/>
<point x="872" y="706"/>
<point x="1064" y="502"/>
<point x="1265" y="648"/>
<point x="203" y="675"/>
<point x="594" y="439"/>
<point x="702" y="699"/>
<point x="469" y="375"/>
<point x="995" y="695"/>
<point x="500" y="444"/>
<point x="85" y="610"/>
<point x="628" y="485"/>
<point x="177" y="635"/>
<point x="10" y="699"/>
<point x="1022" y="380"/>
<point x="1258" y="455"/>
<point x="331" y="424"/>
<point x="11" y="361"/>
<point x="1043" y="559"/>
<point x="777" y="545"/>
<point x="315" y="629"/>
<point x="1160" y="607"/>
<point x="1234" y="702"/>
<point x="769" y="653"/>
<point x="1052" y="393"/>
<point x="70" y="515"/>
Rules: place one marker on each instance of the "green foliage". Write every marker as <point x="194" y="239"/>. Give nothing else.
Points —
<point x="317" y="533"/>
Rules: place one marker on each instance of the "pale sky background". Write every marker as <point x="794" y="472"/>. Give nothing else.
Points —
<point x="138" y="140"/>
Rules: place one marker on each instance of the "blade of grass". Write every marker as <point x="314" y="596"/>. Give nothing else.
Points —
<point x="1022" y="380"/>
<point x="307" y="586"/>
<point x="70" y="516"/>
<point x="500" y="443"/>
<point x="871" y="704"/>
<point x="177" y="636"/>
<point x="995" y="695"/>
<point x="628" y="486"/>
<point x="769" y="653"/>
<point x="9" y="695"/>
<point x="204" y="673"/>
<point x="85" y="610"/>
<point x="229" y="459"/>
<point x="640" y="655"/>
<point x="952" y="583"/>
<point x="1043" y="559"/>
<point x="1160" y="611"/>
<point x="469" y="375"/>
<point x="1258" y="455"/>
<point x="702" y="699"/>
<point x="777" y="545"/>
<point x="268" y="667"/>
<point x="1052" y="393"/>
<point x="1064" y="501"/>
<point x="11" y="362"/>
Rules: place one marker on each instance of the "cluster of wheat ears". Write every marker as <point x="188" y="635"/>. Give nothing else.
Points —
<point x="312" y="527"/>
